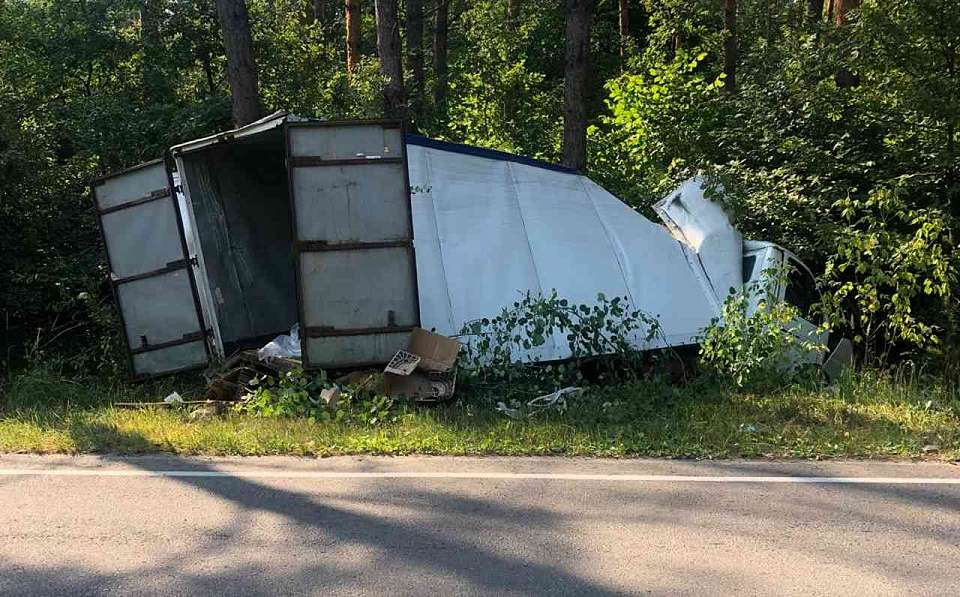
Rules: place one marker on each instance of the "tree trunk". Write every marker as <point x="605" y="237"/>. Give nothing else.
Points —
<point x="440" y="23"/>
<point x="730" y="45"/>
<point x="841" y="8"/>
<point x="415" y="56"/>
<point x="624" y="27"/>
<point x="241" y="66"/>
<point x="351" y="17"/>
<point x="512" y="14"/>
<point x="388" y="46"/>
<point x="576" y="70"/>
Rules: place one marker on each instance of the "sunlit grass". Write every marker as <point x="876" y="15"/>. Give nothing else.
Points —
<point x="871" y="415"/>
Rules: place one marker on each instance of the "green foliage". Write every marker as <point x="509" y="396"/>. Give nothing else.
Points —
<point x="823" y="119"/>
<point x="893" y="414"/>
<point x="892" y="274"/>
<point x="757" y="347"/>
<point x="297" y="394"/>
<point x="609" y="328"/>
<point x="83" y="92"/>
<point x="657" y="119"/>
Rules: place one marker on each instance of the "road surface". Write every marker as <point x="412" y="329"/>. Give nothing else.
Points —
<point x="471" y="526"/>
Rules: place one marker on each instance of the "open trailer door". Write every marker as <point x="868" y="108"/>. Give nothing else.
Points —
<point x="353" y="235"/>
<point x="150" y="270"/>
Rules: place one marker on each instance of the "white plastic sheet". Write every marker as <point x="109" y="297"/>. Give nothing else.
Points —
<point x="283" y="346"/>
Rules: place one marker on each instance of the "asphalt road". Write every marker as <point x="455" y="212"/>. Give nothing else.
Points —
<point x="448" y="526"/>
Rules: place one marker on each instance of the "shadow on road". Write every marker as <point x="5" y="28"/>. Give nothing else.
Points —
<point x="438" y="550"/>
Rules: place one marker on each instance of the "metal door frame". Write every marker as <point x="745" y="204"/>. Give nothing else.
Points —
<point x="300" y="247"/>
<point x="185" y="263"/>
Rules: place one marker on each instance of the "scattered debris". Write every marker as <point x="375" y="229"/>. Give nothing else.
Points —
<point x="234" y="378"/>
<point x="367" y="379"/>
<point x="162" y="404"/>
<point x="284" y="346"/>
<point x="173" y="398"/>
<point x="555" y="400"/>
<point x="426" y="370"/>
<point x="513" y="413"/>
<point x="209" y="410"/>
<point x="331" y="397"/>
<point x="403" y="363"/>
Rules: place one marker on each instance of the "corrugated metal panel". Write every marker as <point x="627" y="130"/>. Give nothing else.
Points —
<point x="340" y="142"/>
<point x="149" y="270"/>
<point x="355" y="351"/>
<point x="124" y="231"/>
<point x="171" y="359"/>
<point x="130" y="185"/>
<point x="361" y="288"/>
<point x="354" y="235"/>
<point x="158" y="308"/>
<point x="365" y="208"/>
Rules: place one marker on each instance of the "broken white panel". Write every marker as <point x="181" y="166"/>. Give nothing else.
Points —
<point x="489" y="228"/>
<point x="705" y="228"/>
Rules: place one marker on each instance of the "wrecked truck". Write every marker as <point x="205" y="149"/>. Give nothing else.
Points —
<point x="361" y="233"/>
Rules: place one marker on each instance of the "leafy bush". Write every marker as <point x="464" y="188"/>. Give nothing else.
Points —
<point x="759" y="348"/>
<point x="609" y="328"/>
<point x="893" y="266"/>
<point x="297" y="394"/>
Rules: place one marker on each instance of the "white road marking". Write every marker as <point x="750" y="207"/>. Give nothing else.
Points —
<point x="287" y="474"/>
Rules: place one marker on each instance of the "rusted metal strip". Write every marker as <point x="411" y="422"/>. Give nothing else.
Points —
<point x="170" y="267"/>
<point x="186" y="339"/>
<point x="329" y="332"/>
<point x="315" y="162"/>
<point x="158" y="194"/>
<point x="319" y="246"/>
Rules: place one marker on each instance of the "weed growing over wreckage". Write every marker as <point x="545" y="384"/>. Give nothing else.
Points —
<point x="501" y="358"/>
<point x="298" y="393"/>
<point x="765" y="347"/>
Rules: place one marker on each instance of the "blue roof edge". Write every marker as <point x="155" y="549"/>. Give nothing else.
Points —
<point x="482" y="152"/>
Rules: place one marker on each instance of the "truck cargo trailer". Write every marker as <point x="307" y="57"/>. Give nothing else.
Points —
<point x="360" y="233"/>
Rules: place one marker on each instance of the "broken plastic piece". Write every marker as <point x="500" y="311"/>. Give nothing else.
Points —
<point x="403" y="363"/>
<point x="173" y="398"/>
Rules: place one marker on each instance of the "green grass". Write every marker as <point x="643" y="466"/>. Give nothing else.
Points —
<point x="872" y="415"/>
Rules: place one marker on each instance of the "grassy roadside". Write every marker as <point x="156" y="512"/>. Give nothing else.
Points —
<point x="871" y="416"/>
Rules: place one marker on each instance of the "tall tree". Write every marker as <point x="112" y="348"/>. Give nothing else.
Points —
<point x="388" y="47"/>
<point x="241" y="66"/>
<point x="730" y="45"/>
<point x="624" y="14"/>
<point x="512" y="14"/>
<point x="415" y="52"/>
<point x="351" y="17"/>
<point x="841" y="8"/>
<point x="441" y="18"/>
<point x="576" y="71"/>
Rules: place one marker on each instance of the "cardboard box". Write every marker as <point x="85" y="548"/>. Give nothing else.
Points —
<point x="433" y="379"/>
